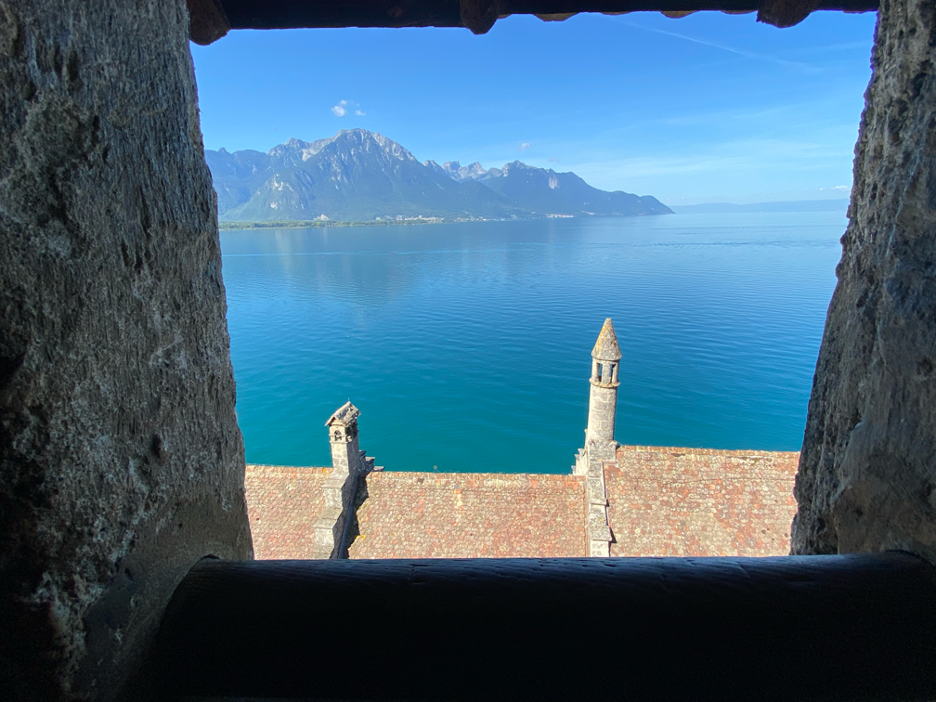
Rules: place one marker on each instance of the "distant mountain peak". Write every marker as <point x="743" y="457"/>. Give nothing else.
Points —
<point x="456" y="171"/>
<point x="521" y="166"/>
<point x="363" y="138"/>
<point x="361" y="175"/>
<point x="295" y="150"/>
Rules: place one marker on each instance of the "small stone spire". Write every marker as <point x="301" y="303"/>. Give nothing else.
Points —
<point x="600" y="446"/>
<point x="606" y="348"/>
<point x="602" y="401"/>
<point x="342" y="426"/>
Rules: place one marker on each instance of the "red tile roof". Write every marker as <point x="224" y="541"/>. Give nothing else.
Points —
<point x="700" y="502"/>
<point x="662" y="502"/>
<point x="464" y="515"/>
<point x="283" y="503"/>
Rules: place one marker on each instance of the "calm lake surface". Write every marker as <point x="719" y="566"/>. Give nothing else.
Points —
<point x="467" y="346"/>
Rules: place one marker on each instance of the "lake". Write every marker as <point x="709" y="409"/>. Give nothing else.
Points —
<point x="467" y="346"/>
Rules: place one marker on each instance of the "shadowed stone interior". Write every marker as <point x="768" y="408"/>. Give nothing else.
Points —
<point x="867" y="473"/>
<point x="121" y="463"/>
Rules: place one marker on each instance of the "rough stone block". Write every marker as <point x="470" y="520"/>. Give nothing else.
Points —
<point x="596" y="491"/>
<point x="866" y="480"/>
<point x="121" y="463"/>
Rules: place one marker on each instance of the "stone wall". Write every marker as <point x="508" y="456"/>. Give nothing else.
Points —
<point x="121" y="463"/>
<point x="867" y="474"/>
<point x="602" y="403"/>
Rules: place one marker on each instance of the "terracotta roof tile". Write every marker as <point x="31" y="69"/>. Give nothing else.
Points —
<point x="662" y="502"/>
<point x="464" y="515"/>
<point x="667" y="501"/>
<point x="283" y="503"/>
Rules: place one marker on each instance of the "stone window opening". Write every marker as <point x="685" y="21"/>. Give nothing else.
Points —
<point x="158" y="205"/>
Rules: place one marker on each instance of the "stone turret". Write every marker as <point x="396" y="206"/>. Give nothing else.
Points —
<point x="602" y="402"/>
<point x="343" y="437"/>
<point x="600" y="445"/>
<point x="348" y="464"/>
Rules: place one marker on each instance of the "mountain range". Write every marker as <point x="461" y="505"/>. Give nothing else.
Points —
<point x="358" y="175"/>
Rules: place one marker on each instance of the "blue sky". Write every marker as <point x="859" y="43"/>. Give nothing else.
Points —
<point x="707" y="108"/>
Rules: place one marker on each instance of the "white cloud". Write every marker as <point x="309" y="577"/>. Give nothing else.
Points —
<point x="840" y="188"/>
<point x="341" y="109"/>
<point x="524" y="146"/>
<point x="347" y="107"/>
<point x="553" y="159"/>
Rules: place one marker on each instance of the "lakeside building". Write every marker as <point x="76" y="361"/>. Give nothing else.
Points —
<point x="618" y="500"/>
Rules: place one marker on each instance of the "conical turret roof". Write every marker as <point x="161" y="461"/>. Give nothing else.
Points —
<point x="606" y="348"/>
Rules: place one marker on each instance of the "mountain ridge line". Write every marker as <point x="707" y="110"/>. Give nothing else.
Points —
<point x="361" y="176"/>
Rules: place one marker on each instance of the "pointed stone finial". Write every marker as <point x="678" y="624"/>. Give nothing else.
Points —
<point x="606" y="348"/>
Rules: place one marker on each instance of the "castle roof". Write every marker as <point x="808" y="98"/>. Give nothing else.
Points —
<point x="668" y="501"/>
<point x="344" y="415"/>
<point x="471" y="515"/>
<point x="662" y="501"/>
<point x="283" y="503"/>
<point x="606" y="348"/>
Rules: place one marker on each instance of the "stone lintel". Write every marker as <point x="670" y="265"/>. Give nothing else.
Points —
<point x="478" y="15"/>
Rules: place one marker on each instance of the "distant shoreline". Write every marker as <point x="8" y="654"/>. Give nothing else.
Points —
<point x="319" y="224"/>
<point x="709" y="208"/>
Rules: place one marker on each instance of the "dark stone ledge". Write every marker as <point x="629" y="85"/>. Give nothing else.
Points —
<point x="211" y="19"/>
<point x="854" y="627"/>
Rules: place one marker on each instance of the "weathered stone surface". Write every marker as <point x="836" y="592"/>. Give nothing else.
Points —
<point x="121" y="463"/>
<point x="785" y="13"/>
<point x="867" y="474"/>
<point x="207" y="21"/>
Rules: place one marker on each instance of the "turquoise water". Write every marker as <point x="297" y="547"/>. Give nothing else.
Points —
<point x="467" y="346"/>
